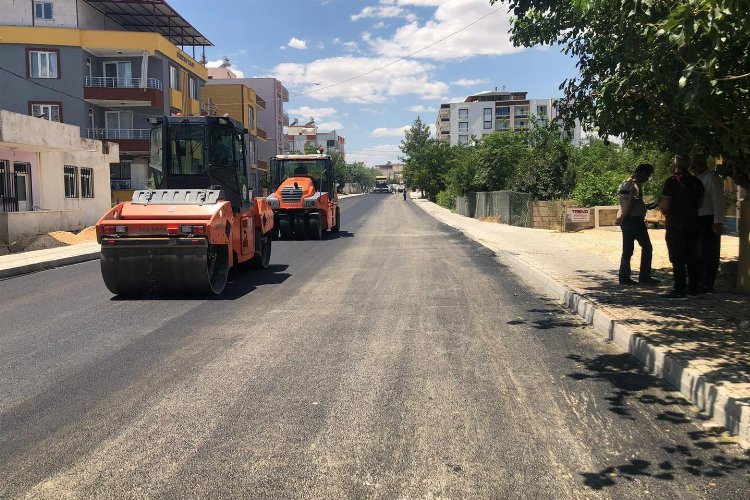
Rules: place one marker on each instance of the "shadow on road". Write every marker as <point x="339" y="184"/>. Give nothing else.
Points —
<point x="241" y="281"/>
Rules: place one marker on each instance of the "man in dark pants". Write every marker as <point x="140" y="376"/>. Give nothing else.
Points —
<point x="633" y="225"/>
<point x="710" y="223"/>
<point x="681" y="197"/>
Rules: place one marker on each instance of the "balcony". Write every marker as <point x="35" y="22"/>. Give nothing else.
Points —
<point x="260" y="102"/>
<point x="129" y="139"/>
<point x="285" y="119"/>
<point x="261" y="134"/>
<point x="116" y="92"/>
<point x="120" y="184"/>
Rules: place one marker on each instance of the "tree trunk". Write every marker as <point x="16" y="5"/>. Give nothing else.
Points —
<point x="743" y="228"/>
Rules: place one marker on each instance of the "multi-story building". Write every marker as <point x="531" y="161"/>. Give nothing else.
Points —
<point x="299" y="136"/>
<point x="393" y="171"/>
<point x="241" y="103"/>
<point x="106" y="66"/>
<point x="481" y="114"/>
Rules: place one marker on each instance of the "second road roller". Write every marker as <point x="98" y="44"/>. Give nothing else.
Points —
<point x="200" y="218"/>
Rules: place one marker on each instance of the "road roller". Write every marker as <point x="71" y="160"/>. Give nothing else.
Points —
<point x="198" y="218"/>
<point x="304" y="200"/>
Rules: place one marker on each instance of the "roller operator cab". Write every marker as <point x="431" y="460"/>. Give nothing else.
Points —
<point x="304" y="199"/>
<point x="199" y="217"/>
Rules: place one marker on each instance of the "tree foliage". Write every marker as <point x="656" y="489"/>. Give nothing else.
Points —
<point x="675" y="73"/>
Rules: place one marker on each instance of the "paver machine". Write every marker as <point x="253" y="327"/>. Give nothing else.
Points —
<point x="199" y="218"/>
<point x="304" y="199"/>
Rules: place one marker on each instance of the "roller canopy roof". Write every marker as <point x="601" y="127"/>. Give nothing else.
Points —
<point x="152" y="16"/>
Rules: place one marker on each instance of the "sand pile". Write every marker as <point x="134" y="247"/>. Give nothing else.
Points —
<point x="54" y="239"/>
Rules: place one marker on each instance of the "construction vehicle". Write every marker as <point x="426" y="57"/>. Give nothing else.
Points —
<point x="304" y="199"/>
<point x="381" y="185"/>
<point x="199" y="217"/>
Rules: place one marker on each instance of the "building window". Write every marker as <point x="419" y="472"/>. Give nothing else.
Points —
<point x="192" y="88"/>
<point x="541" y="111"/>
<point x="49" y="112"/>
<point x="521" y="111"/>
<point x="43" y="64"/>
<point x="502" y="111"/>
<point x="463" y="139"/>
<point x="174" y="78"/>
<point x="71" y="181"/>
<point x="250" y="117"/>
<point x="488" y="118"/>
<point x="87" y="182"/>
<point x="463" y="126"/>
<point x="463" y="114"/>
<point x="330" y="143"/>
<point x="43" y="10"/>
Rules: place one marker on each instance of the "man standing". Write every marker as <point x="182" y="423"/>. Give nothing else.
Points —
<point x="710" y="223"/>
<point x="633" y="225"/>
<point x="681" y="197"/>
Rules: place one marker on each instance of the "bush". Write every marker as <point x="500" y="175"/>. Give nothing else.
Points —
<point x="593" y="189"/>
<point x="447" y="200"/>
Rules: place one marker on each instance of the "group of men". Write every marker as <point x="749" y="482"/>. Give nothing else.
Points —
<point x="693" y="206"/>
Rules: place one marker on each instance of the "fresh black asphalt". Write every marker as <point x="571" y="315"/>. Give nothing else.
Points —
<point x="396" y="359"/>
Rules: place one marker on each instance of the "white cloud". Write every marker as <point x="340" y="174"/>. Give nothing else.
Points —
<point x="389" y="132"/>
<point x="421" y="109"/>
<point x="384" y="11"/>
<point x="375" y="155"/>
<point x="401" y="78"/>
<point x="306" y="112"/>
<point x="296" y="43"/>
<point x="488" y="36"/>
<point x="329" y="126"/>
<point x="379" y="25"/>
<point x="466" y="82"/>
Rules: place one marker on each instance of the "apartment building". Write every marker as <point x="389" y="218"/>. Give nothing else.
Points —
<point x="393" y="171"/>
<point x="481" y="114"/>
<point x="299" y="136"/>
<point x="225" y="96"/>
<point x="106" y="66"/>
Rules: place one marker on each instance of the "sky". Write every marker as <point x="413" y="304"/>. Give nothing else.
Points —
<point x="368" y="68"/>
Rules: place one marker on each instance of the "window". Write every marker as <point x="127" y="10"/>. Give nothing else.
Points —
<point x="174" y="78"/>
<point x="120" y="171"/>
<point x="521" y="111"/>
<point x="541" y="111"/>
<point x="330" y="143"/>
<point x="49" y="112"/>
<point x="71" y="181"/>
<point x="487" y="118"/>
<point x="192" y="88"/>
<point x="250" y="117"/>
<point x="463" y="114"/>
<point x="502" y="111"/>
<point x="463" y="139"/>
<point x="43" y="10"/>
<point x="463" y="126"/>
<point x="43" y="64"/>
<point x="87" y="182"/>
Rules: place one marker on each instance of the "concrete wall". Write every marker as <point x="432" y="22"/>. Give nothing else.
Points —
<point x="13" y="225"/>
<point x="65" y="14"/>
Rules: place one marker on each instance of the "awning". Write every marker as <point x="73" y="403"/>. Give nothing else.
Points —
<point x="152" y="16"/>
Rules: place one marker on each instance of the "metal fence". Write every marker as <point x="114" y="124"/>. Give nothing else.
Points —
<point x="509" y="207"/>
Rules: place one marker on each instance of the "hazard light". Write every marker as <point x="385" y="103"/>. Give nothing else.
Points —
<point x="192" y="229"/>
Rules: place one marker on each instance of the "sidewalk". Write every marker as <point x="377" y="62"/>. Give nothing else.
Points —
<point x="700" y="346"/>
<point x="37" y="260"/>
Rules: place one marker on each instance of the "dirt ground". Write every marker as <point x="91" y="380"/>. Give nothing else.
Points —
<point x="607" y="242"/>
<point x="27" y="243"/>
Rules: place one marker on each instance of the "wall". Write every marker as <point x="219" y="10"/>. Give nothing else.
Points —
<point x="13" y="225"/>
<point x="15" y="155"/>
<point x="16" y="92"/>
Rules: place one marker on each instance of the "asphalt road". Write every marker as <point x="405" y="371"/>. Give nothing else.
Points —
<point x="395" y="360"/>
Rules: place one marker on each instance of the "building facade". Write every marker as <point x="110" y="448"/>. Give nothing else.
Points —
<point x="481" y="114"/>
<point x="104" y="66"/>
<point x="393" y="171"/>
<point x="50" y="178"/>
<point x="308" y="135"/>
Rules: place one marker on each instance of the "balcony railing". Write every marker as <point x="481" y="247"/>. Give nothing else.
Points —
<point x="120" y="83"/>
<point x="118" y="133"/>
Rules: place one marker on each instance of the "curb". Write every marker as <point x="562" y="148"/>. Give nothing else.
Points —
<point x="48" y="264"/>
<point x="710" y="398"/>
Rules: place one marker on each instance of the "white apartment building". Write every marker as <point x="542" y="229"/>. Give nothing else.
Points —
<point x="298" y="136"/>
<point x="484" y="113"/>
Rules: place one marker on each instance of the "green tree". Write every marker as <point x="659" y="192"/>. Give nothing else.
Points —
<point x="673" y="72"/>
<point x="310" y="148"/>
<point x="413" y="147"/>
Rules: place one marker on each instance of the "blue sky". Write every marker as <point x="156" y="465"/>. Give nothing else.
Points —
<point x="312" y="44"/>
